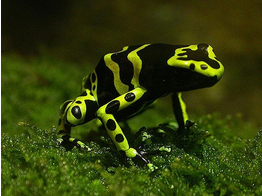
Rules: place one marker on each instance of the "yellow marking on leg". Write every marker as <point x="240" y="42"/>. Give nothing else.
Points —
<point x="113" y="133"/>
<point x="183" y="107"/>
<point x="111" y="125"/>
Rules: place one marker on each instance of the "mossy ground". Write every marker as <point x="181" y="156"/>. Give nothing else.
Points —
<point x="202" y="162"/>
<point x="208" y="159"/>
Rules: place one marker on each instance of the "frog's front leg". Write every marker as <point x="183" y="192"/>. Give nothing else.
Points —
<point x="179" y="108"/>
<point x="106" y="114"/>
<point x="66" y="140"/>
<point x="64" y="131"/>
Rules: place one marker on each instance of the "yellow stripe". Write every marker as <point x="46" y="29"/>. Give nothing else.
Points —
<point x="137" y="64"/>
<point x="183" y="107"/>
<point x="114" y="67"/>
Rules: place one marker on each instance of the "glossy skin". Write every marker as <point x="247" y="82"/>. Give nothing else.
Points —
<point x="124" y="83"/>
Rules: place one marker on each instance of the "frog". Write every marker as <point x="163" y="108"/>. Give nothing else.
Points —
<point x="127" y="82"/>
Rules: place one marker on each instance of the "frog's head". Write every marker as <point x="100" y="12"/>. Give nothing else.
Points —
<point x="198" y="65"/>
<point x="80" y="110"/>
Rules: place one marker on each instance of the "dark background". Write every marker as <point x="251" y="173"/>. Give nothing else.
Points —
<point x="82" y="31"/>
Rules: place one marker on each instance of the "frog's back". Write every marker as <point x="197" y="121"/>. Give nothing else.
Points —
<point x="119" y="72"/>
<point x="158" y="68"/>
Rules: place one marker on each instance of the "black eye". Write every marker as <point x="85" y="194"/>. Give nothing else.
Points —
<point x="76" y="111"/>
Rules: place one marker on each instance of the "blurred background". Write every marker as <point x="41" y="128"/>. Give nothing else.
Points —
<point x="49" y="46"/>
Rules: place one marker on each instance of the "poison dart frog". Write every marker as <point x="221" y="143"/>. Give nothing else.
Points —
<point x="125" y="83"/>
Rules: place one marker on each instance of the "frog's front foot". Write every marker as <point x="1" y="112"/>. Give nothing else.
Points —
<point x="132" y="153"/>
<point x="69" y="143"/>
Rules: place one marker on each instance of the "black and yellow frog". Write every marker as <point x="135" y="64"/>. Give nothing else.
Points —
<point x="125" y="83"/>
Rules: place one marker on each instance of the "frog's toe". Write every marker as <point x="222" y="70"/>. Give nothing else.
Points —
<point x="189" y="124"/>
<point x="82" y="146"/>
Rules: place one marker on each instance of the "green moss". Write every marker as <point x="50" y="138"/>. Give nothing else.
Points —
<point x="200" y="163"/>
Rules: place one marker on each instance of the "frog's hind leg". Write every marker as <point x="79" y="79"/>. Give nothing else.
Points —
<point x="179" y="108"/>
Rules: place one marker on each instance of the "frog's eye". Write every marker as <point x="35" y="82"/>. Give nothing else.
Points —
<point x="76" y="113"/>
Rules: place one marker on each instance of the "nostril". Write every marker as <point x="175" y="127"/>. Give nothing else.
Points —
<point x="203" y="66"/>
